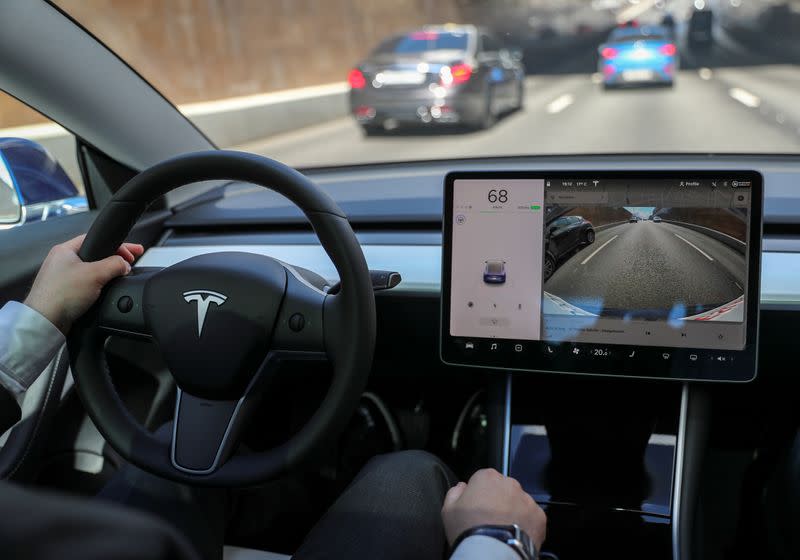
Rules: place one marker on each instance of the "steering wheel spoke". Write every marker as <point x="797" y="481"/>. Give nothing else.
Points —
<point x="121" y="310"/>
<point x="205" y="432"/>
<point x="300" y="328"/>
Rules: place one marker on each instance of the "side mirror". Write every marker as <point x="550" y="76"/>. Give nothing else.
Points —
<point x="10" y="204"/>
<point x="42" y="189"/>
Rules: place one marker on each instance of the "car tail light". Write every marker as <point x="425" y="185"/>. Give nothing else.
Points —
<point x="456" y="74"/>
<point x="356" y="79"/>
<point x="609" y="52"/>
<point x="668" y="49"/>
<point x="608" y="70"/>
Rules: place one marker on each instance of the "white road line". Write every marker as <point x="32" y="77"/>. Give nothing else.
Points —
<point x="745" y="97"/>
<point x="600" y="248"/>
<point x="699" y="250"/>
<point x="560" y="103"/>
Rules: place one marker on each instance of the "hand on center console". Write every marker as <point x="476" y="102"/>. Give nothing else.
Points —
<point x="489" y="498"/>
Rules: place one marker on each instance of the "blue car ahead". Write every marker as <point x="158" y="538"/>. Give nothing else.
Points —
<point x="637" y="56"/>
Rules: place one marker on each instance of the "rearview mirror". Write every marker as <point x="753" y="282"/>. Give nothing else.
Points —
<point x="37" y="186"/>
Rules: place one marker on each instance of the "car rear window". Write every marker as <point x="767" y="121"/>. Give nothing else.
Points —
<point x="626" y="35"/>
<point x="422" y="41"/>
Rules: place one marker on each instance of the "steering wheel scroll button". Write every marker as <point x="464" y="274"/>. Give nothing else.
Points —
<point x="297" y="322"/>
<point x="125" y="304"/>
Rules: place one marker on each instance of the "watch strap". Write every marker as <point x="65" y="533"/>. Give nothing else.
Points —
<point x="511" y="535"/>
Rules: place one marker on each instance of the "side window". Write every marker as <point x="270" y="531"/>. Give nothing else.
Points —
<point x="39" y="175"/>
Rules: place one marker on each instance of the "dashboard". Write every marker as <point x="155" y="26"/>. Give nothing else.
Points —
<point x="396" y="211"/>
<point x="610" y="273"/>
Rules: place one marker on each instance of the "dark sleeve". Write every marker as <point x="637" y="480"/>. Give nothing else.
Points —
<point x="38" y="525"/>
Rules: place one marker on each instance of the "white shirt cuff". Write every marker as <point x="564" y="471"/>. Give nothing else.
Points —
<point x="481" y="547"/>
<point x="28" y="343"/>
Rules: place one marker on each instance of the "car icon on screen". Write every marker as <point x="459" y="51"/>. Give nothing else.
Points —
<point x="495" y="272"/>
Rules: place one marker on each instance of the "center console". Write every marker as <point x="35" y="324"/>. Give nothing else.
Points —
<point x="631" y="281"/>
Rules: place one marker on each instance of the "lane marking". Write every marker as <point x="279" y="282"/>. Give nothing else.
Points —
<point x="705" y="73"/>
<point x="600" y="248"/>
<point x="560" y="103"/>
<point x="745" y="97"/>
<point x="699" y="250"/>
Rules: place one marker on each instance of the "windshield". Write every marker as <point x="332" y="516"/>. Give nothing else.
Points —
<point x="341" y="82"/>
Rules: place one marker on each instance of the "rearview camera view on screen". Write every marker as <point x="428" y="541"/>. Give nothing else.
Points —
<point x="650" y="262"/>
<point x="646" y="261"/>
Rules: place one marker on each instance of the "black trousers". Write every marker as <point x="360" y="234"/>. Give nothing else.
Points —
<point x="390" y="511"/>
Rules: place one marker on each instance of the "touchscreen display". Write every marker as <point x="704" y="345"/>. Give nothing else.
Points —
<point x="582" y="272"/>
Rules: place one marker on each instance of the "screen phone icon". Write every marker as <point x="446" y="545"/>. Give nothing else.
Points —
<point x="632" y="354"/>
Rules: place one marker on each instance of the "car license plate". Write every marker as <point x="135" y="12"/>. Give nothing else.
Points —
<point x="402" y="77"/>
<point x="637" y="75"/>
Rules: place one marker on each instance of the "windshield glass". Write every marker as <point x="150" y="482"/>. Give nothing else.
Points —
<point x="339" y="82"/>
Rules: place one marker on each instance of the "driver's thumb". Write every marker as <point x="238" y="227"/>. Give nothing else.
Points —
<point x="109" y="268"/>
<point x="454" y="494"/>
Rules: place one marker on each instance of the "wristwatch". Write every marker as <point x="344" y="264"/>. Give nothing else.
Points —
<point x="512" y="535"/>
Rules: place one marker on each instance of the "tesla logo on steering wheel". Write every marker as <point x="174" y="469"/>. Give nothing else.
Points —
<point x="203" y="298"/>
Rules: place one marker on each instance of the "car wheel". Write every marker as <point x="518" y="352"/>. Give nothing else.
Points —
<point x="520" y="95"/>
<point x="549" y="266"/>
<point x="589" y="236"/>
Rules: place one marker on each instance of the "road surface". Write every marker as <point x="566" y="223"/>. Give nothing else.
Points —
<point x="728" y="100"/>
<point x="650" y="270"/>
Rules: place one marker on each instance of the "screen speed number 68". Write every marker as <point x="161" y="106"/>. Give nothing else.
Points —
<point x="498" y="195"/>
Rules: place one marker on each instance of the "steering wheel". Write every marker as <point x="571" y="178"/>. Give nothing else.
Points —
<point x="223" y="323"/>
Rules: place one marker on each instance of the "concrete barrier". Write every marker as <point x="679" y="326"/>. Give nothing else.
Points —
<point x="227" y="122"/>
<point x="235" y="121"/>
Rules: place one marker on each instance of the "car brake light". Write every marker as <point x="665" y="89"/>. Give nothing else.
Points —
<point x="668" y="49"/>
<point x="455" y="74"/>
<point x="356" y="79"/>
<point x="609" y="52"/>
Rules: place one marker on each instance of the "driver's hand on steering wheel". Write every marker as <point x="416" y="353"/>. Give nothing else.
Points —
<point x="489" y="498"/>
<point x="65" y="286"/>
